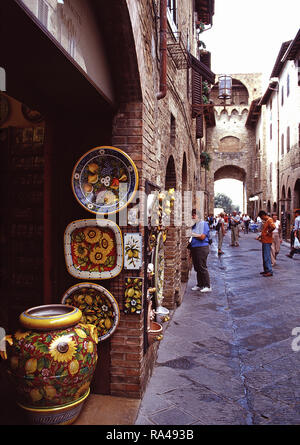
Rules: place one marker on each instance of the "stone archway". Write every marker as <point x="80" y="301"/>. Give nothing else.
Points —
<point x="231" y="142"/>
<point x="231" y="172"/>
<point x="172" y="278"/>
<point x="296" y="202"/>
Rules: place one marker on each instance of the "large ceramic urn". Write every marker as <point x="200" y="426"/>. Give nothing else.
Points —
<point x="51" y="362"/>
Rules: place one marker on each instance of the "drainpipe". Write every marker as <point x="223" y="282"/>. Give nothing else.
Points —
<point x="163" y="51"/>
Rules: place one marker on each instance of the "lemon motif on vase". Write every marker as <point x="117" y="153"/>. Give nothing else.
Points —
<point x="73" y="366"/>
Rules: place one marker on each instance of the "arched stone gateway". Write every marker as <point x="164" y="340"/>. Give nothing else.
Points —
<point x="233" y="172"/>
<point x="230" y="171"/>
<point x="231" y="144"/>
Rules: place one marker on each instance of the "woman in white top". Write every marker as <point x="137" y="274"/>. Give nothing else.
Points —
<point x="221" y="232"/>
<point x="277" y="239"/>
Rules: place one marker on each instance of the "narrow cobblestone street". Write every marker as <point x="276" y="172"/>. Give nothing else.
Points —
<point x="226" y="357"/>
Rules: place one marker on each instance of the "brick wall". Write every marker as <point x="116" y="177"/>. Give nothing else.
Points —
<point x="144" y="131"/>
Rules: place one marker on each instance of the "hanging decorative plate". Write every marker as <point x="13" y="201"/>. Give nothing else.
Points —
<point x="158" y="259"/>
<point x="97" y="305"/>
<point x="133" y="296"/>
<point x="132" y="251"/>
<point x="93" y="249"/>
<point x="105" y="180"/>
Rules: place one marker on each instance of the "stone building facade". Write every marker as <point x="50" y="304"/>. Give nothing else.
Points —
<point x="275" y="118"/>
<point x="230" y="143"/>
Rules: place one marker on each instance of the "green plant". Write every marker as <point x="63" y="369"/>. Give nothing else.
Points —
<point x="205" y="160"/>
<point x="205" y="92"/>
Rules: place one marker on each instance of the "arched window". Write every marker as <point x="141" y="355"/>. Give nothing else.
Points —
<point x="230" y="144"/>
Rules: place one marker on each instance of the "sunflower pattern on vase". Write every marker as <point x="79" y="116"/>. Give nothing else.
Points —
<point x="52" y="368"/>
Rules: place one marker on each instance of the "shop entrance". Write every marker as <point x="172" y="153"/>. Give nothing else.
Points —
<point x="37" y="159"/>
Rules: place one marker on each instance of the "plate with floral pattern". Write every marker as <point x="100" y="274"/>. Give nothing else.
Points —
<point x="93" y="249"/>
<point x="98" y="307"/>
<point x="104" y="180"/>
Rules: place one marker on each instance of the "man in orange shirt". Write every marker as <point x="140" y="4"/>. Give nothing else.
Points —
<point x="266" y="240"/>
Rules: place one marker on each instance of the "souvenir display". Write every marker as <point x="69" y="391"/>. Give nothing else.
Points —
<point x="104" y="180"/>
<point x="160" y="205"/>
<point x="93" y="249"/>
<point x="133" y="297"/>
<point x="159" y="267"/>
<point x="162" y="314"/>
<point x="97" y="305"/>
<point x="155" y="332"/>
<point x="159" y="209"/>
<point x="154" y="329"/>
<point x="51" y="362"/>
<point x="132" y="251"/>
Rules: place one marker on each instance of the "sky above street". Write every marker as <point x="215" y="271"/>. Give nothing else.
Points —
<point x="246" y="37"/>
<point x="247" y="34"/>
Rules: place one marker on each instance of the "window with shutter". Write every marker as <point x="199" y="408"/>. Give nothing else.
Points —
<point x="288" y="146"/>
<point x="172" y="7"/>
<point x="172" y="130"/>
<point x="43" y="10"/>
<point x="199" y="127"/>
<point x="196" y="92"/>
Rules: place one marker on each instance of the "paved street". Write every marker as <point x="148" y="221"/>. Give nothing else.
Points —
<point x="226" y="357"/>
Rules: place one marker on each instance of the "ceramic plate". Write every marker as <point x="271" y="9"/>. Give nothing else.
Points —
<point x="93" y="249"/>
<point x="97" y="305"/>
<point x="105" y="180"/>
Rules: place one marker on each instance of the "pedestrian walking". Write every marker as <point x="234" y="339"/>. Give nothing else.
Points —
<point x="246" y="221"/>
<point x="266" y="239"/>
<point x="296" y="233"/>
<point x="220" y="228"/>
<point x="259" y="223"/>
<point x="276" y="239"/>
<point x="235" y="220"/>
<point x="200" y="250"/>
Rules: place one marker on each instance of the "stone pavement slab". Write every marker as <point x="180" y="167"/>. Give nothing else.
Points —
<point x="226" y="356"/>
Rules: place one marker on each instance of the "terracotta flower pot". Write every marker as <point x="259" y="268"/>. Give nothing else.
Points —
<point x="51" y="362"/>
<point x="154" y="332"/>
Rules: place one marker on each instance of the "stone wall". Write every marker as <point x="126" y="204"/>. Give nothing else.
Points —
<point x="231" y="144"/>
<point x="160" y="137"/>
